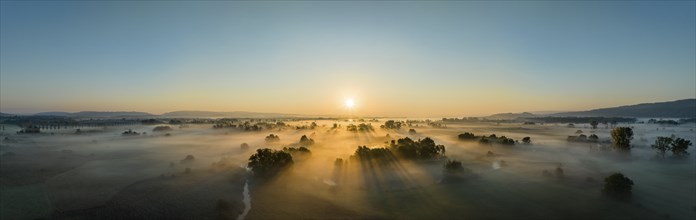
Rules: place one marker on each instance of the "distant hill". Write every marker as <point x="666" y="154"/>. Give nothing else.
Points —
<point x="685" y="108"/>
<point x="510" y="116"/>
<point x="175" y="114"/>
<point x="5" y="114"/>
<point x="234" y="114"/>
<point x="64" y="114"/>
<point x="96" y="114"/>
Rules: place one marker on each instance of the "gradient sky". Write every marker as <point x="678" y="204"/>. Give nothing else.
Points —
<point x="392" y="58"/>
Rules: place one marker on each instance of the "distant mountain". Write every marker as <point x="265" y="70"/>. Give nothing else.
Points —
<point x="234" y="114"/>
<point x="509" y="116"/>
<point x="5" y="114"/>
<point x="62" y="114"/>
<point x="96" y="114"/>
<point x="685" y="108"/>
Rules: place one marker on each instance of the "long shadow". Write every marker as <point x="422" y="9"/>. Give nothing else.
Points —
<point x="389" y="176"/>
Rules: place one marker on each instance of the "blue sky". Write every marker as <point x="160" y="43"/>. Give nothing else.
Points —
<point x="393" y="58"/>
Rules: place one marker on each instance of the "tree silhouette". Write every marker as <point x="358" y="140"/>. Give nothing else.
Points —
<point x="679" y="147"/>
<point x="617" y="185"/>
<point x="391" y="124"/>
<point x="593" y="138"/>
<point x="365" y="153"/>
<point x="662" y="145"/>
<point x="424" y="149"/>
<point x="304" y="140"/>
<point x="621" y="138"/>
<point x="272" y="138"/>
<point x="244" y="146"/>
<point x="484" y="141"/>
<point x="300" y="153"/>
<point x="453" y="166"/>
<point x="466" y="136"/>
<point x="267" y="162"/>
<point x="188" y="159"/>
<point x="454" y="171"/>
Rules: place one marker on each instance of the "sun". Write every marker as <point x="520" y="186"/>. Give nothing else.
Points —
<point x="349" y="103"/>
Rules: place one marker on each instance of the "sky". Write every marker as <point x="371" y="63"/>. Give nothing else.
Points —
<point x="392" y="58"/>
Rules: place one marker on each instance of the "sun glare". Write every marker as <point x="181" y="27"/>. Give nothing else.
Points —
<point x="349" y="103"/>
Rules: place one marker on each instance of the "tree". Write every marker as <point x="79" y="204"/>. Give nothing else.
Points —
<point x="304" y="140"/>
<point x="454" y="171"/>
<point x="593" y="138"/>
<point x="594" y="124"/>
<point x="424" y="149"/>
<point x="272" y="138"/>
<point x="188" y="159"/>
<point x="391" y="124"/>
<point x="411" y="131"/>
<point x="662" y="145"/>
<point x="505" y="141"/>
<point x="527" y="140"/>
<point x="298" y="153"/>
<point x="365" y="153"/>
<point x="484" y="141"/>
<point x="338" y="163"/>
<point x="267" y="162"/>
<point x="466" y="136"/>
<point x="244" y="146"/>
<point x="621" y="138"/>
<point x="453" y="166"/>
<point x="617" y="185"/>
<point x="679" y="147"/>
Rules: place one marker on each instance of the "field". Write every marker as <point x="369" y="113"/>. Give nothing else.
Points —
<point x="102" y="174"/>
